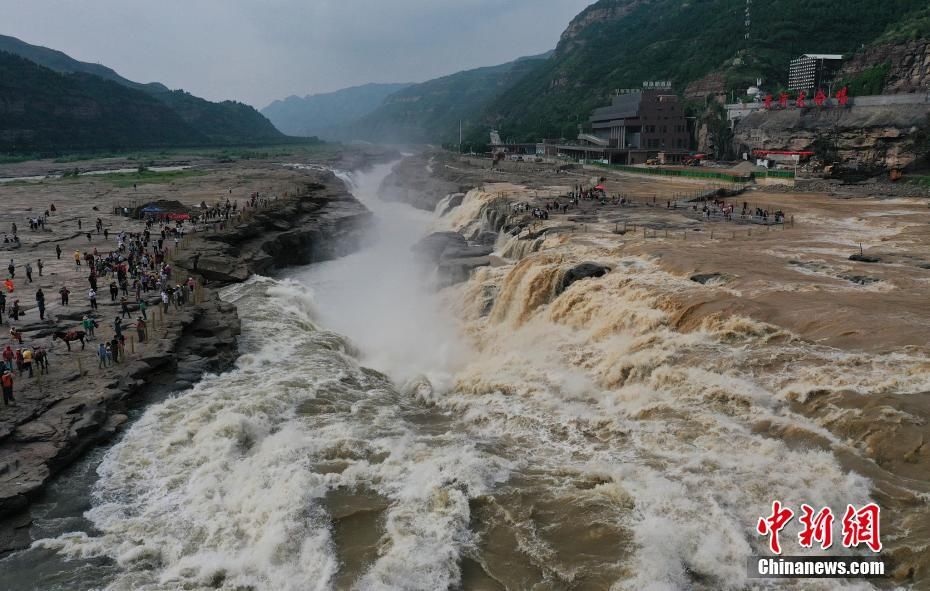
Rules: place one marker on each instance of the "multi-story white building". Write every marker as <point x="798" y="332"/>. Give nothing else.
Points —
<point x="813" y="70"/>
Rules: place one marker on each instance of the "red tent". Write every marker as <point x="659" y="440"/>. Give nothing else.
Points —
<point x="600" y="188"/>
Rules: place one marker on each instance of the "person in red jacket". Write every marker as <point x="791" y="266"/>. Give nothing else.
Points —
<point x="8" y="356"/>
<point x="7" y="382"/>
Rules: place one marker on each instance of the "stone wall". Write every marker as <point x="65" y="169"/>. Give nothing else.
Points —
<point x="871" y="137"/>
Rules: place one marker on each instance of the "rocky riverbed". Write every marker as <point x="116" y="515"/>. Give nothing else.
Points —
<point x="58" y="416"/>
<point x="810" y="335"/>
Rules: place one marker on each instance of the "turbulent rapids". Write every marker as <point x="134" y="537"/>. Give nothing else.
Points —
<point x="504" y="433"/>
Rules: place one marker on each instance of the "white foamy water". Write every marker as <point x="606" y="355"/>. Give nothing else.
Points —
<point x="580" y="442"/>
<point x="381" y="298"/>
<point x="224" y="485"/>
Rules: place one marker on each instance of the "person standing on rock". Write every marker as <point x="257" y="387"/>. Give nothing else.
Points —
<point x="2" y="306"/>
<point x="77" y="258"/>
<point x="27" y="361"/>
<point x="124" y="305"/>
<point x="65" y="292"/>
<point x="40" y="266"/>
<point x="142" y="308"/>
<point x="164" y="301"/>
<point x="29" y="272"/>
<point x="114" y="349"/>
<point x="8" y="356"/>
<point x="7" y="382"/>
<point x="92" y="296"/>
<point x="118" y="327"/>
<point x="40" y="303"/>
<point x="58" y="251"/>
<point x="89" y="326"/>
<point x="140" y="329"/>
<point x="102" y="357"/>
<point x="114" y="291"/>
<point x="12" y="269"/>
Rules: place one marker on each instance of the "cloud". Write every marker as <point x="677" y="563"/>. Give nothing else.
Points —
<point x="260" y="50"/>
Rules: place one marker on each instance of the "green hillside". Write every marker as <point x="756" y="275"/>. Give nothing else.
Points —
<point x="915" y="25"/>
<point x="65" y="64"/>
<point x="42" y="110"/>
<point x="318" y="114"/>
<point x="622" y="43"/>
<point x="431" y="111"/>
<point x="226" y="122"/>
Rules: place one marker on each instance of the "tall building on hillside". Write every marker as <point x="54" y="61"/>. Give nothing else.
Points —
<point x="813" y="70"/>
<point x="638" y="125"/>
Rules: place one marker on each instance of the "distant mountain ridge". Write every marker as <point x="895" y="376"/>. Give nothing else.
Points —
<point x="318" y="114"/>
<point x="43" y="111"/>
<point x="204" y="122"/>
<point x="65" y="64"/>
<point x="433" y="111"/>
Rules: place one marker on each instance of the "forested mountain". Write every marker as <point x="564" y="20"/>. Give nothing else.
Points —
<point x="42" y="110"/>
<point x="430" y="112"/>
<point x="226" y="122"/>
<point x="318" y="114"/>
<point x="622" y="43"/>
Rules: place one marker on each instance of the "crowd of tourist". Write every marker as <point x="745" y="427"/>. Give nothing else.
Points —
<point x="726" y="210"/>
<point x="132" y="268"/>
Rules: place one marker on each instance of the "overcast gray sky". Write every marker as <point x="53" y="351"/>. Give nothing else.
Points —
<point x="260" y="50"/>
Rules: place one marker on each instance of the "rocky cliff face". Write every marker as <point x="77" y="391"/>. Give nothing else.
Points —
<point x="714" y="83"/>
<point x="909" y="64"/>
<point x="871" y="137"/>
<point x="600" y="12"/>
<point x="324" y="222"/>
<point x="413" y="182"/>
